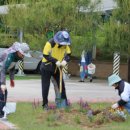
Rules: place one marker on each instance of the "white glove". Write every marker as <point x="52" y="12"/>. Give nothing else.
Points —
<point x="114" y="106"/>
<point x="3" y="88"/>
<point x="58" y="64"/>
<point x="63" y="63"/>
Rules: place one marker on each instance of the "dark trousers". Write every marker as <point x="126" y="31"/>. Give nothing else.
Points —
<point x="3" y="99"/>
<point x="46" y="73"/>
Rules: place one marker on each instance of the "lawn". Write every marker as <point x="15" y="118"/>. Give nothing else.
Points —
<point x="31" y="116"/>
<point x="26" y="77"/>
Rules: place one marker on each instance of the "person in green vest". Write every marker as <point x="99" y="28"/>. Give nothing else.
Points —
<point x="8" y="60"/>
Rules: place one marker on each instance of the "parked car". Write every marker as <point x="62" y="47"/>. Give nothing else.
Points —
<point x="2" y="49"/>
<point x="32" y="63"/>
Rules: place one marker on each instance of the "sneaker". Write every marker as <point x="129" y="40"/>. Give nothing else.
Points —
<point x="45" y="107"/>
<point x="1" y="115"/>
<point x="81" y="81"/>
<point x="91" y="80"/>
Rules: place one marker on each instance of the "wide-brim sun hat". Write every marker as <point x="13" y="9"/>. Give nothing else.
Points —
<point x="23" y="48"/>
<point x="62" y="38"/>
<point x="113" y="79"/>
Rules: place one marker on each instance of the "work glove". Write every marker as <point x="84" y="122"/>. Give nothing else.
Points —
<point x="63" y="63"/>
<point x="115" y="106"/>
<point x="58" y="64"/>
<point x="3" y="88"/>
<point x="12" y="83"/>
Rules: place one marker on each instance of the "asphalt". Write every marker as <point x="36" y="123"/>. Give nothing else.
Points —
<point x="30" y="90"/>
<point x="98" y="90"/>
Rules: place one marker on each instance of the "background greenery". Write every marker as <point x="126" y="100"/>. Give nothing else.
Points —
<point x="109" y="30"/>
<point x="27" y="117"/>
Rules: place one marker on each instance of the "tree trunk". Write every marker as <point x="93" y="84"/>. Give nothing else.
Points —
<point x="129" y="70"/>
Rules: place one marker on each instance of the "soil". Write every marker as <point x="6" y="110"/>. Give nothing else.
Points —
<point x="78" y="117"/>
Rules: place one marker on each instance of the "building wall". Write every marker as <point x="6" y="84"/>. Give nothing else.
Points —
<point x="103" y="69"/>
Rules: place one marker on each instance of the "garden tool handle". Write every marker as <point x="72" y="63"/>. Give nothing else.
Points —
<point x="61" y="75"/>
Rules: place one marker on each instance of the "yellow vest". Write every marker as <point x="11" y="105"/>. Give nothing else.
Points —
<point x="55" y="52"/>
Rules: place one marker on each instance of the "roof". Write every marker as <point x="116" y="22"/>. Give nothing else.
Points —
<point x="4" y="9"/>
<point x="107" y="5"/>
<point x="103" y="6"/>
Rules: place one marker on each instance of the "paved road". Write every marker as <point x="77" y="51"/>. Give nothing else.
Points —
<point x="97" y="91"/>
<point x="28" y="90"/>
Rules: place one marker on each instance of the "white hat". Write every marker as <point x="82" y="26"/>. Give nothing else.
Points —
<point x="113" y="79"/>
<point x="23" y="48"/>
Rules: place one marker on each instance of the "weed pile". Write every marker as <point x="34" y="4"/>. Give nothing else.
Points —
<point x="106" y="116"/>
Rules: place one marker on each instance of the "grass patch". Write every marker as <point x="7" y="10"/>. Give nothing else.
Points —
<point x="27" y="117"/>
<point x="26" y="77"/>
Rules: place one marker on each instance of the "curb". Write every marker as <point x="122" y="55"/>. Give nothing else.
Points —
<point x="3" y="126"/>
<point x="6" y="125"/>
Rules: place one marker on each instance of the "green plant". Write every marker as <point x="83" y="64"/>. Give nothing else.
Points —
<point x="25" y="77"/>
<point x="51" y="117"/>
<point x="77" y="119"/>
<point x="28" y="118"/>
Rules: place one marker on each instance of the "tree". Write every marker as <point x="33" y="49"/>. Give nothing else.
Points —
<point x="118" y="29"/>
<point x="35" y="16"/>
<point x="2" y="2"/>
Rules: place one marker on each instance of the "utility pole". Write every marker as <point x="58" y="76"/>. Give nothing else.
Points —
<point x="129" y="48"/>
<point x="94" y="41"/>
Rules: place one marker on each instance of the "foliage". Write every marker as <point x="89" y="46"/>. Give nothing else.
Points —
<point x="37" y="16"/>
<point x="3" y="2"/>
<point x="117" y="31"/>
<point x="28" y="77"/>
<point x="35" y="41"/>
<point x="27" y="117"/>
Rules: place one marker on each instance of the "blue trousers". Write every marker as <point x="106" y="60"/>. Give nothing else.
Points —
<point x="82" y="70"/>
<point x="127" y="106"/>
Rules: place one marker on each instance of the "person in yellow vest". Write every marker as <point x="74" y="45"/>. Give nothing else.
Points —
<point x="56" y="53"/>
